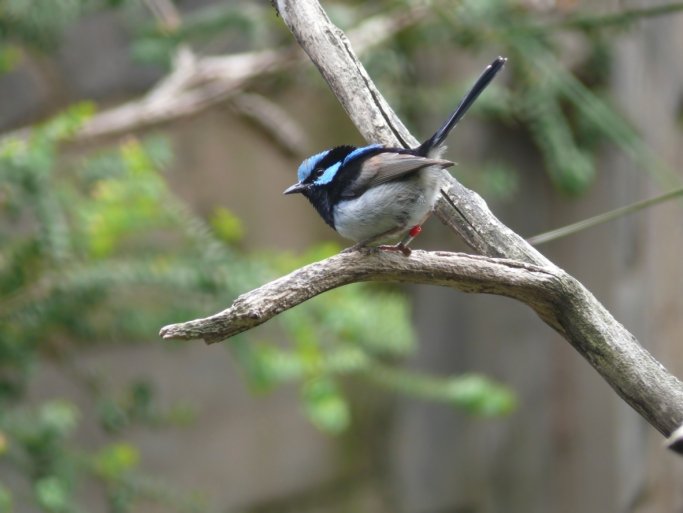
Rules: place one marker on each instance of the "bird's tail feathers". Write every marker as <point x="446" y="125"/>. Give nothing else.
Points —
<point x="436" y="141"/>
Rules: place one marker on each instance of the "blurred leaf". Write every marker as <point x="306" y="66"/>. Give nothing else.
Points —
<point x="141" y="398"/>
<point x="325" y="406"/>
<point x="480" y="396"/>
<point x="59" y="417"/>
<point x="53" y="495"/>
<point x="115" y="460"/>
<point x="112" y="415"/>
<point x="124" y="205"/>
<point x="31" y="24"/>
<point x="495" y="180"/>
<point x="10" y="56"/>
<point x="67" y="123"/>
<point x="153" y="51"/>
<point x="203" y="25"/>
<point x="474" y="394"/>
<point x="5" y="500"/>
<point x="181" y="414"/>
<point x="228" y="226"/>
<point x="268" y="366"/>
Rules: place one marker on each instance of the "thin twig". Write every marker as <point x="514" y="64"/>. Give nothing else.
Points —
<point x="599" y="219"/>
<point x="621" y="17"/>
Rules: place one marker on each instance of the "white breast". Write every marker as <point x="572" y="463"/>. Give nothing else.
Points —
<point x="389" y="209"/>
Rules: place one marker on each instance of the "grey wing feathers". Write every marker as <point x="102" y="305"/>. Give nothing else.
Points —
<point x="385" y="167"/>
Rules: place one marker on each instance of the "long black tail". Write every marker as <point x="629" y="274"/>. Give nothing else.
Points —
<point x="484" y="80"/>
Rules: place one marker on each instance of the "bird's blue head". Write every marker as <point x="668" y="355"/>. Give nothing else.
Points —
<point x="322" y="168"/>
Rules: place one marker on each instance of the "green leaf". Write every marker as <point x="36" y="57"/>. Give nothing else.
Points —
<point x="10" y="56"/>
<point x="480" y="396"/>
<point x="111" y="415"/>
<point x="115" y="460"/>
<point x="325" y="406"/>
<point x="472" y="393"/>
<point x="67" y="123"/>
<point x="5" y="499"/>
<point x="60" y="416"/>
<point x="53" y="494"/>
<point x="133" y="202"/>
<point x="228" y="226"/>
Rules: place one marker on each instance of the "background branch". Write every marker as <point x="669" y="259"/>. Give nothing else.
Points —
<point x="197" y="83"/>
<point x="560" y="300"/>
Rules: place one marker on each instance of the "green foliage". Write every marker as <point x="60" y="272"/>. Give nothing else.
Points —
<point x="115" y="460"/>
<point x="5" y="499"/>
<point x="97" y="249"/>
<point x="472" y="393"/>
<point x="245" y="25"/>
<point x="228" y="226"/>
<point x="325" y="405"/>
<point x="53" y="495"/>
<point x="10" y="56"/>
<point x="28" y="21"/>
<point x="82" y="242"/>
<point x="36" y="438"/>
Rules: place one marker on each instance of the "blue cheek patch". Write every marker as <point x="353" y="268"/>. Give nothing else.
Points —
<point x="328" y="175"/>
<point x="311" y="163"/>
<point x="308" y="165"/>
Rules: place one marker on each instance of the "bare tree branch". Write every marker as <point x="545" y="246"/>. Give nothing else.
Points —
<point x="511" y="266"/>
<point x="272" y="119"/>
<point x="197" y="83"/>
<point x="468" y="273"/>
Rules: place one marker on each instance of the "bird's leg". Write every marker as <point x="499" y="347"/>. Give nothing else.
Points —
<point x="407" y="239"/>
<point x="396" y="247"/>
<point x="366" y="245"/>
<point x="412" y="233"/>
<point x="403" y="245"/>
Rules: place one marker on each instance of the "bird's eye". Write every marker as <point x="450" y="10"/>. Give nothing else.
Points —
<point x="317" y="172"/>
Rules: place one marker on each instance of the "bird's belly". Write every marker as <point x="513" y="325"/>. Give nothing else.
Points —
<point x="386" y="211"/>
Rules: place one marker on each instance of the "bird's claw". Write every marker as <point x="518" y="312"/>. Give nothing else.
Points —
<point x="397" y="247"/>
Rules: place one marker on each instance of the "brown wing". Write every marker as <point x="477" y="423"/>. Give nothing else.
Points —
<point x="384" y="167"/>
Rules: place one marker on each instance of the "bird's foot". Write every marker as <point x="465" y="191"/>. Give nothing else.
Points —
<point x="397" y="247"/>
<point x="366" y="247"/>
<point x="403" y="245"/>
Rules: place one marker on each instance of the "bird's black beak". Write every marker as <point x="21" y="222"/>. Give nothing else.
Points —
<point x="296" y="188"/>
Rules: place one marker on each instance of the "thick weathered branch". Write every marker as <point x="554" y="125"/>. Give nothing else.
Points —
<point x="525" y="274"/>
<point x="469" y="273"/>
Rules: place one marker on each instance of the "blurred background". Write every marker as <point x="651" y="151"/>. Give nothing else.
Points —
<point x="145" y="146"/>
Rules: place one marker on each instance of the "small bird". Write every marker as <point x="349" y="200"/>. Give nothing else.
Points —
<point x="374" y="194"/>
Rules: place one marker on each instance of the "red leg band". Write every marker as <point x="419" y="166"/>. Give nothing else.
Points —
<point x="415" y="230"/>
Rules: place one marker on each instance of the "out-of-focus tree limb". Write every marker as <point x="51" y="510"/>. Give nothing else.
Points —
<point x="197" y="83"/>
